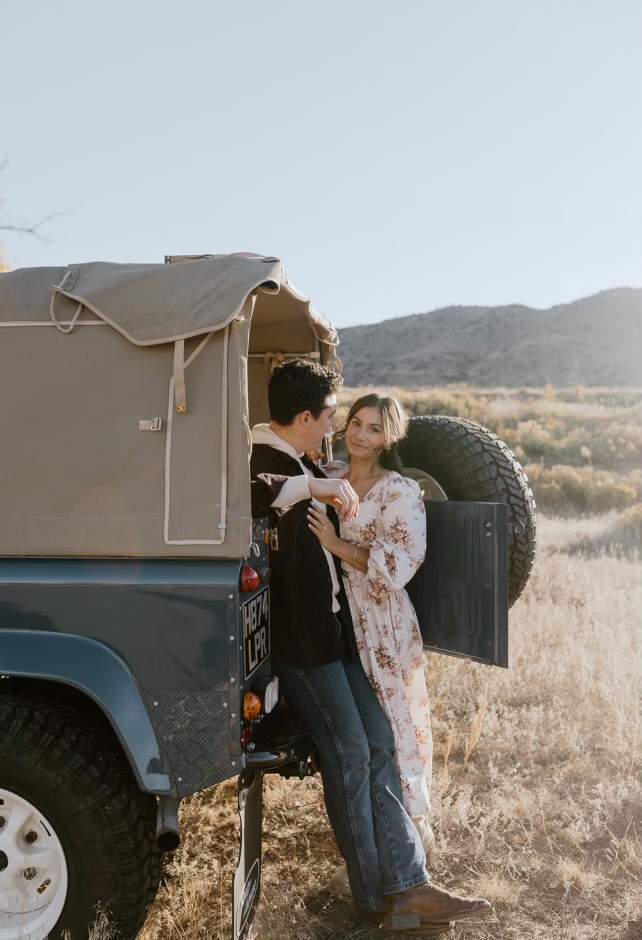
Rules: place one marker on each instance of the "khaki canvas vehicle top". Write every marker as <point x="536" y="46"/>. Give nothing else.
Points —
<point x="128" y="392"/>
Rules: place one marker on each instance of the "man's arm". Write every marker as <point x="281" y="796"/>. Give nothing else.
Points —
<point x="268" y="479"/>
<point x="265" y="489"/>
<point x="271" y="489"/>
<point x="336" y="493"/>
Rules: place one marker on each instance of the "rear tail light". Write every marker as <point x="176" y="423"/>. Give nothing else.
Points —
<point x="262" y="698"/>
<point x="251" y="705"/>
<point x="250" y="580"/>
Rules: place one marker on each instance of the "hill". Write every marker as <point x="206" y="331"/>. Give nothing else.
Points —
<point x="593" y="341"/>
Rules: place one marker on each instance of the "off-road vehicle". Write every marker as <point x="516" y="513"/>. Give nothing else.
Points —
<point x="134" y="584"/>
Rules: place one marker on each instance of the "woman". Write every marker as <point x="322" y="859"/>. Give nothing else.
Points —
<point x="381" y="549"/>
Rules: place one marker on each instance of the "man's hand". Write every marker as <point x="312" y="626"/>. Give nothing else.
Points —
<point x="336" y="493"/>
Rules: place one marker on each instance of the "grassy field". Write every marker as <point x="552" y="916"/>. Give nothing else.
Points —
<point x="582" y="447"/>
<point x="537" y="789"/>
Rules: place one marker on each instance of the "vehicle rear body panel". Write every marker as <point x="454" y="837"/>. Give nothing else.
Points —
<point x="177" y="624"/>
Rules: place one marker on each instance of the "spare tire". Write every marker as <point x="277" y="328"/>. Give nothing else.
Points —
<point x="470" y="463"/>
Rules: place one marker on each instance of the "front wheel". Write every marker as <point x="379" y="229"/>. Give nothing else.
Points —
<point x="76" y="835"/>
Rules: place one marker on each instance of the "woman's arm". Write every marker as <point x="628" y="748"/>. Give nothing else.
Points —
<point x="353" y="554"/>
<point x="400" y="546"/>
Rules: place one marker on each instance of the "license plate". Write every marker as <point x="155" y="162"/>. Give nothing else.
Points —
<point x="256" y="631"/>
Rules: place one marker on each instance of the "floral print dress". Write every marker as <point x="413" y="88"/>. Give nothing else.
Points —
<point x="391" y="523"/>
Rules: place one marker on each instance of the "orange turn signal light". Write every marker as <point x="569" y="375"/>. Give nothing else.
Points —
<point x="251" y="705"/>
<point x="249" y="579"/>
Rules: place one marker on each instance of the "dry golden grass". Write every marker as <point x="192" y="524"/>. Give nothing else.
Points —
<point x="537" y="790"/>
<point x="101" y="929"/>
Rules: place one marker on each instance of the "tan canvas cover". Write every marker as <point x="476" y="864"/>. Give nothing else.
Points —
<point x="124" y="410"/>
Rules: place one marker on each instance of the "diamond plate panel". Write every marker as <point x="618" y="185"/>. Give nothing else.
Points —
<point x="195" y="730"/>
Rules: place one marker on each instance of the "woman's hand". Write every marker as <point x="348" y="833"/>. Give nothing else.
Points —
<point x="322" y="528"/>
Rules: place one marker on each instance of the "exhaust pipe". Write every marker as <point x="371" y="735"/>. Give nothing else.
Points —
<point x="168" y="835"/>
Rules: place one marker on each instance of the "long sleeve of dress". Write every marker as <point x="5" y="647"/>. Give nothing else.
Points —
<point x="399" y="544"/>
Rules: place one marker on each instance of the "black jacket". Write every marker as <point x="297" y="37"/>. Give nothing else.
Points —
<point x="303" y="628"/>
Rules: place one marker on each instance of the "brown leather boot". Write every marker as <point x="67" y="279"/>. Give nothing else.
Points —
<point x="365" y="916"/>
<point x="427" y="906"/>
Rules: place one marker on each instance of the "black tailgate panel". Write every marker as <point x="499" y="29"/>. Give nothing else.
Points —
<point x="461" y="591"/>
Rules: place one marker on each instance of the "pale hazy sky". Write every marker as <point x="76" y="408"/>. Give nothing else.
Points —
<point x="398" y="157"/>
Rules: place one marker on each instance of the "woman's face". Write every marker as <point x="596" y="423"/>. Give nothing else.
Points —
<point x="364" y="434"/>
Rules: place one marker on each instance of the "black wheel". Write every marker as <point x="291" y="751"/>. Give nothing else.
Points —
<point x="469" y="462"/>
<point x="77" y="837"/>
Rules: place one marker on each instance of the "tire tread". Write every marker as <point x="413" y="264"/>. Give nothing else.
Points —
<point x="471" y="462"/>
<point x="88" y="749"/>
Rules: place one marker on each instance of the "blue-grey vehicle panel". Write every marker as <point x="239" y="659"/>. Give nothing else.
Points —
<point x="174" y="624"/>
<point x="93" y="669"/>
<point x="165" y="618"/>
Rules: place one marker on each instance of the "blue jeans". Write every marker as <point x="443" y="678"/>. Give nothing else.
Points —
<point x="341" y="713"/>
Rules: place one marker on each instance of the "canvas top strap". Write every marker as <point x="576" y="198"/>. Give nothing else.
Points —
<point x="274" y="358"/>
<point x="52" y="313"/>
<point x="180" y="395"/>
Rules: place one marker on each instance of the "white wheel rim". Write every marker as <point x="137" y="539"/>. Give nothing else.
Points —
<point x="33" y="871"/>
<point x="429" y="487"/>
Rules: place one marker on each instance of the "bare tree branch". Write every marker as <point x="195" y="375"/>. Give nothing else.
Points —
<point x="8" y="226"/>
<point x="32" y="229"/>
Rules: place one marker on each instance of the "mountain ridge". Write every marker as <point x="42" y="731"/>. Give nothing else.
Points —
<point x="596" y="340"/>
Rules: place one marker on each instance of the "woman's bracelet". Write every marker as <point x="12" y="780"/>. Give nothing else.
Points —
<point x="356" y="549"/>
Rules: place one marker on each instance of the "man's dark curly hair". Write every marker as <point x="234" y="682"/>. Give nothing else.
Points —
<point x="300" y="385"/>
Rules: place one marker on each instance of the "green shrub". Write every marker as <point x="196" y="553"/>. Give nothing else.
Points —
<point x="563" y="490"/>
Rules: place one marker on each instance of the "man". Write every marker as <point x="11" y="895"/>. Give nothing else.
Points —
<point x="314" y="655"/>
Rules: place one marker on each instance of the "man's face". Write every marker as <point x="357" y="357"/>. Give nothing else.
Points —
<point x="316" y="428"/>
